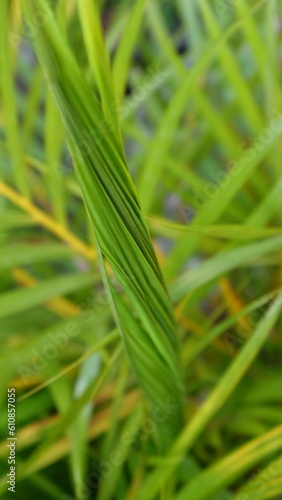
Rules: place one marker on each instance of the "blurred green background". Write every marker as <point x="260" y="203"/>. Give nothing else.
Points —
<point x="198" y="93"/>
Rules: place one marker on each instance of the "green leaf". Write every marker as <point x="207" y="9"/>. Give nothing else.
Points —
<point x="214" y="401"/>
<point x="20" y="300"/>
<point x="113" y="208"/>
<point x="20" y="255"/>
<point x="225" y="471"/>
<point x="222" y="263"/>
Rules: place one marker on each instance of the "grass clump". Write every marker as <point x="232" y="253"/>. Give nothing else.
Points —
<point x="141" y="248"/>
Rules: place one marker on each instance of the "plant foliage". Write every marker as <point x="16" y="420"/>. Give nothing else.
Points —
<point x="140" y="248"/>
